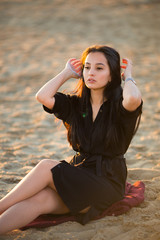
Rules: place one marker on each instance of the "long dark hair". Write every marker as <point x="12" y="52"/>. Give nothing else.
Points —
<point x="112" y="92"/>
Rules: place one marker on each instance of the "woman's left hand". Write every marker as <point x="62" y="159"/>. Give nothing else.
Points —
<point x="128" y="68"/>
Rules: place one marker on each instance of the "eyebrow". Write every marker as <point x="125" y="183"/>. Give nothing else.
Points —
<point x="96" y="63"/>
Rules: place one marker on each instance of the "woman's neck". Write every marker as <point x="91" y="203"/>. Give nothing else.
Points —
<point x="97" y="97"/>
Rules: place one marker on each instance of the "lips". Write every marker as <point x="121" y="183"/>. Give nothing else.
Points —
<point x="91" y="80"/>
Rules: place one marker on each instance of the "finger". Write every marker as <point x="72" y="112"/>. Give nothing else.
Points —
<point x="74" y="60"/>
<point x="127" y="61"/>
<point x="77" y="64"/>
<point x="124" y="60"/>
<point x="123" y="66"/>
<point x="78" y="68"/>
<point x="122" y="75"/>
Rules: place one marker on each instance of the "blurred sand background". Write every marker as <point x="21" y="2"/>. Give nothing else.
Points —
<point x="36" y="39"/>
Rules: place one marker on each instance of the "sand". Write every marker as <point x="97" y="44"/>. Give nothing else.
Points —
<point x="36" y="39"/>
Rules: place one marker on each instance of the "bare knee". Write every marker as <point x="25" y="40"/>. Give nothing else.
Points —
<point x="44" y="167"/>
<point x="47" y="164"/>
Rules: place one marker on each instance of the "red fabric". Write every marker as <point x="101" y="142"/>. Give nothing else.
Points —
<point x="134" y="195"/>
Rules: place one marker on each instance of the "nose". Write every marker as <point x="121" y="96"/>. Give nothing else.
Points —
<point x="91" y="71"/>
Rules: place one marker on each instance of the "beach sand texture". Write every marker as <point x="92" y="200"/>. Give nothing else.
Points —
<point x="36" y="39"/>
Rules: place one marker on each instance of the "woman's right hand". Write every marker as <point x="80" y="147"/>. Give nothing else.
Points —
<point x="75" y="67"/>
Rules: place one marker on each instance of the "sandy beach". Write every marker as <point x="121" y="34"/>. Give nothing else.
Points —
<point x="36" y="40"/>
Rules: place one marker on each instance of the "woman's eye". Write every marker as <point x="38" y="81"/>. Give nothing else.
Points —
<point x="99" y="68"/>
<point x="86" y="67"/>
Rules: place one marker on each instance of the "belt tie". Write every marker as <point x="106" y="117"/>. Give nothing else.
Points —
<point x="96" y="160"/>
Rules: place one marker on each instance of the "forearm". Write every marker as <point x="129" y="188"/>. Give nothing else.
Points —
<point x="46" y="94"/>
<point x="131" y="95"/>
<point x="130" y="88"/>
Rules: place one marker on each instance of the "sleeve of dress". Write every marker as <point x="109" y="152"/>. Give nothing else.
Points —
<point x="128" y="122"/>
<point x="128" y="115"/>
<point x="62" y="106"/>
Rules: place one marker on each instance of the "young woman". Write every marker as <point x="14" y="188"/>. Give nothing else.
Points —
<point x="101" y="119"/>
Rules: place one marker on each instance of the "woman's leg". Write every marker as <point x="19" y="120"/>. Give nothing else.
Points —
<point x="24" y="212"/>
<point x="37" y="179"/>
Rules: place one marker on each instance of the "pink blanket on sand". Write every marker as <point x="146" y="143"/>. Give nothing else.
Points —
<point x="134" y="195"/>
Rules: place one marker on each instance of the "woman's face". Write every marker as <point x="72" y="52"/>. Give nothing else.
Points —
<point x="96" y="71"/>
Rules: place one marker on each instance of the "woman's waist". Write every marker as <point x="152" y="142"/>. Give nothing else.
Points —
<point x="89" y="157"/>
<point x="97" y="160"/>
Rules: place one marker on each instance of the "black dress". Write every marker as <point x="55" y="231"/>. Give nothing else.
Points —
<point x="96" y="175"/>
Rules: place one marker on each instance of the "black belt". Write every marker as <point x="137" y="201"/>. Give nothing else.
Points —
<point x="96" y="160"/>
